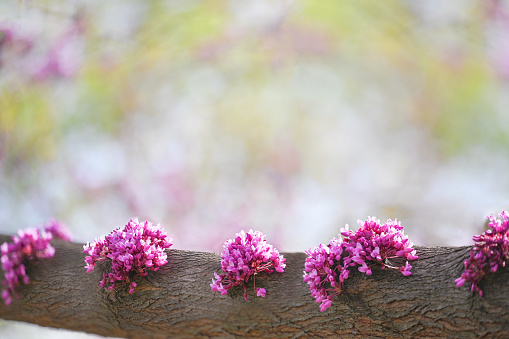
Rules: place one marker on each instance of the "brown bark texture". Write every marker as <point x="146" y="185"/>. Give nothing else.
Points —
<point x="177" y="301"/>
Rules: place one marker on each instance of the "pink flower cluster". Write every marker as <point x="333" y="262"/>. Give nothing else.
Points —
<point x="323" y="268"/>
<point x="58" y="230"/>
<point x="29" y="244"/>
<point x="491" y="251"/>
<point x="245" y="256"/>
<point x="327" y="267"/>
<point x="133" y="249"/>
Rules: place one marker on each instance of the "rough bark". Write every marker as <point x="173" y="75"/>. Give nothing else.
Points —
<point x="177" y="301"/>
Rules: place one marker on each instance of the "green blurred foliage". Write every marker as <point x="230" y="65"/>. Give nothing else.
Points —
<point x="27" y="127"/>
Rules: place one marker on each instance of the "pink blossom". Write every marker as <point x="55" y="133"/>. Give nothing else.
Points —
<point x="490" y="251"/>
<point x="29" y="244"/>
<point x="247" y="255"/>
<point x="260" y="292"/>
<point x="135" y="248"/>
<point x="58" y="230"/>
<point x="327" y="267"/>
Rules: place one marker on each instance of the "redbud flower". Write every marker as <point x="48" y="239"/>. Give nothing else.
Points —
<point x="29" y="244"/>
<point x="133" y="250"/>
<point x="491" y="251"/>
<point x="325" y="273"/>
<point x="260" y="292"/>
<point x="374" y="243"/>
<point x="327" y="267"/>
<point x="245" y="256"/>
<point x="58" y="230"/>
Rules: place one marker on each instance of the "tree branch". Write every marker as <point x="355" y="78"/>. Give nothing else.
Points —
<point x="177" y="300"/>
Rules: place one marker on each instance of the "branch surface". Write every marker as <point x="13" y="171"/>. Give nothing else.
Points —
<point x="177" y="301"/>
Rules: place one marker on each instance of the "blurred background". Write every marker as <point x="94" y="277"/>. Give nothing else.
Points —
<point x="289" y="117"/>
